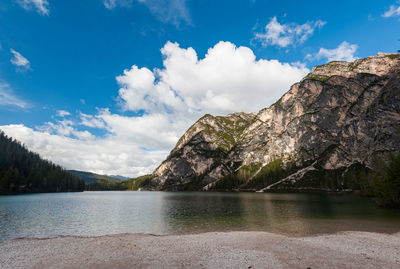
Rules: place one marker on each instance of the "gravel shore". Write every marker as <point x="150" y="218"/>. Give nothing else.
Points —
<point x="208" y="250"/>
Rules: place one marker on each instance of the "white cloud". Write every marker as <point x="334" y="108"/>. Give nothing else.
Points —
<point x="63" y="113"/>
<point x="171" y="11"/>
<point x="227" y="79"/>
<point x="19" y="61"/>
<point x="65" y="128"/>
<point x="283" y="35"/>
<point x="344" y="52"/>
<point x="7" y="98"/>
<point x="167" y="101"/>
<point x="393" y="11"/>
<point x="168" y="11"/>
<point x="41" y="6"/>
<point x="98" y="155"/>
<point x="110" y="4"/>
<point x="91" y="121"/>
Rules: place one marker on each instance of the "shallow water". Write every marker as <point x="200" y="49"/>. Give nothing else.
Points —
<point x="100" y="213"/>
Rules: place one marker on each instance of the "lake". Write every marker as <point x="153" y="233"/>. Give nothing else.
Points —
<point x="100" y="213"/>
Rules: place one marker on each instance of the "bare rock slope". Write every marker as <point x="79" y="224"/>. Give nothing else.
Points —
<point x="320" y="135"/>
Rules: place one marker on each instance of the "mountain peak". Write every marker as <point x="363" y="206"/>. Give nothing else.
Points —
<point x="381" y="64"/>
<point x="327" y="128"/>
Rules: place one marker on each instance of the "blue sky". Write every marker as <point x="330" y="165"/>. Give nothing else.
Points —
<point x="90" y="75"/>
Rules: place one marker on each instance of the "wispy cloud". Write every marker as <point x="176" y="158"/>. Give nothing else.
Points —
<point x="41" y="6"/>
<point x="65" y="128"/>
<point x="344" y="52"/>
<point x="284" y="35"/>
<point x="91" y="121"/>
<point x="392" y="12"/>
<point x="168" y="11"/>
<point x="19" y="61"/>
<point x="63" y="113"/>
<point x="110" y="4"/>
<point x="8" y="99"/>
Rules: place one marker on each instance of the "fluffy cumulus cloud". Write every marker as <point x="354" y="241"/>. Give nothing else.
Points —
<point x="41" y="6"/>
<point x="167" y="101"/>
<point x="8" y="98"/>
<point x="392" y="12"/>
<point x="284" y="35"/>
<point x="227" y="79"/>
<point x="19" y="61"/>
<point x="344" y="52"/>
<point x="168" y="11"/>
<point x="106" y="156"/>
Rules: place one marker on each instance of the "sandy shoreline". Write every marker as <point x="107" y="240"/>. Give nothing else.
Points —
<point x="207" y="250"/>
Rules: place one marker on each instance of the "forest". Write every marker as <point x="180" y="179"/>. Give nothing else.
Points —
<point x="22" y="171"/>
<point x="132" y="184"/>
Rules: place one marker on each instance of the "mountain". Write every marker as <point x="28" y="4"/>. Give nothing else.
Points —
<point x="96" y="182"/>
<point x="118" y="176"/>
<point x="323" y="134"/>
<point x="22" y="171"/>
<point x="89" y="177"/>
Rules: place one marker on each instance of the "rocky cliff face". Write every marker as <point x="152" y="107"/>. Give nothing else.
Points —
<point x="319" y="135"/>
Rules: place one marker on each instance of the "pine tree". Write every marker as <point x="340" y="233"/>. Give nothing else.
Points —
<point x="24" y="171"/>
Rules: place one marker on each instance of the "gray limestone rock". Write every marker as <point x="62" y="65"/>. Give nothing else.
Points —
<point x="338" y="117"/>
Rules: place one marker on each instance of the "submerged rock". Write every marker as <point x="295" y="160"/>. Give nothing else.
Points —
<point x="318" y="136"/>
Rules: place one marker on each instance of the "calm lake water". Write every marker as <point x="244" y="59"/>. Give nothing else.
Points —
<point x="99" y="213"/>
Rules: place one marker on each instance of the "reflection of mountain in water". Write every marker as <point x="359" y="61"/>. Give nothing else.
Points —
<point x="292" y="214"/>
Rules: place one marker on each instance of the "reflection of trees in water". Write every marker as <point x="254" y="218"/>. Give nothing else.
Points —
<point x="316" y="206"/>
<point x="195" y="212"/>
<point x="271" y="212"/>
<point x="192" y="211"/>
<point x="292" y="214"/>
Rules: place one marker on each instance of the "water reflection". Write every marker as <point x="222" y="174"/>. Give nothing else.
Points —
<point x="98" y="213"/>
<point x="291" y="214"/>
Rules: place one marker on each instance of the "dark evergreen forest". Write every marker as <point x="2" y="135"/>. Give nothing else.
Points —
<point x="22" y="171"/>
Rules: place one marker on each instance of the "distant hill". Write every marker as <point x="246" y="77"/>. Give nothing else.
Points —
<point x="119" y="177"/>
<point x="89" y="177"/>
<point x="22" y="171"/>
<point x="96" y="182"/>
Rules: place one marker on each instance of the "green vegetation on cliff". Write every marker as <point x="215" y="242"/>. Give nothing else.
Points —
<point x="271" y="173"/>
<point x="22" y="171"/>
<point x="255" y="176"/>
<point x="321" y="78"/>
<point x="135" y="184"/>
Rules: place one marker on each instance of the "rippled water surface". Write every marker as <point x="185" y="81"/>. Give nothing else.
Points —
<point x="99" y="213"/>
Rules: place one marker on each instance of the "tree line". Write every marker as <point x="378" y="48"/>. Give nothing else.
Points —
<point x="383" y="182"/>
<point x="22" y="171"/>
